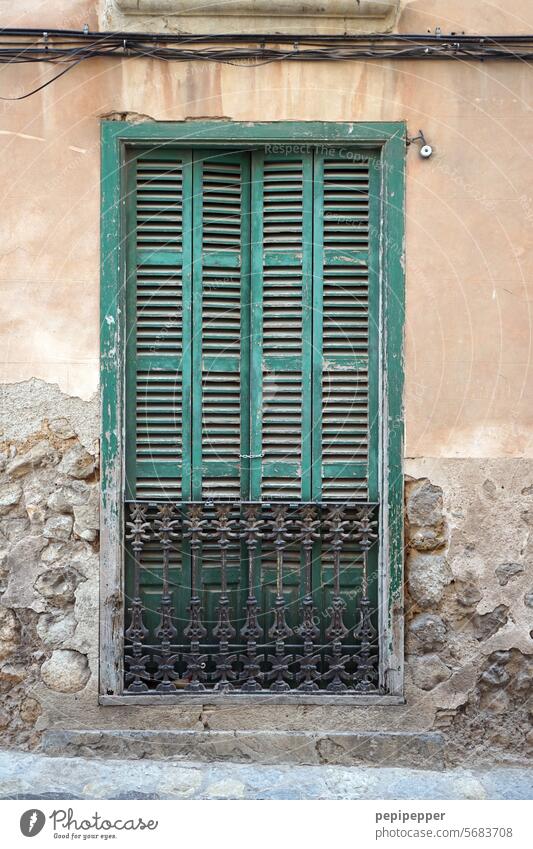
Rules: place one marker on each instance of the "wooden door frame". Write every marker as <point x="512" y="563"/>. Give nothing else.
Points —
<point x="390" y="139"/>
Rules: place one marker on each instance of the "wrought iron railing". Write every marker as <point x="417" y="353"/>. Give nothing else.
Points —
<point x="325" y="641"/>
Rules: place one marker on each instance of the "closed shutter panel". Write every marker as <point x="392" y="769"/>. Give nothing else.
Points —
<point x="220" y="355"/>
<point x="220" y="316"/>
<point x="345" y="339"/>
<point x="345" y="335"/>
<point x="158" y="324"/>
<point x="282" y="190"/>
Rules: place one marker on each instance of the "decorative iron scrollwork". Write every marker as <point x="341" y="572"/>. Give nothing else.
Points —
<point x="366" y="672"/>
<point x="137" y="534"/>
<point x="225" y="530"/>
<point x="337" y="534"/>
<point x="252" y="533"/>
<point x="310" y="647"/>
<point x="166" y="526"/>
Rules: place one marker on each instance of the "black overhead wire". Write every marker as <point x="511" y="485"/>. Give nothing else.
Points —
<point x="58" y="47"/>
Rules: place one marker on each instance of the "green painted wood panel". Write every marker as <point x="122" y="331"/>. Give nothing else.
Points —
<point x="346" y="325"/>
<point x="158" y="303"/>
<point x="282" y="236"/>
<point x="221" y="343"/>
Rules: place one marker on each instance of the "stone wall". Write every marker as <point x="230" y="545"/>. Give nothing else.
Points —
<point x="469" y="598"/>
<point x="49" y="512"/>
<point x="469" y="613"/>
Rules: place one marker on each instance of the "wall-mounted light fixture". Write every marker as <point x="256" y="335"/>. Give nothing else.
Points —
<point x="425" y="149"/>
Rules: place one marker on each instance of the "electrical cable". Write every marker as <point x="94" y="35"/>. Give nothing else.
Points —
<point x="57" y="47"/>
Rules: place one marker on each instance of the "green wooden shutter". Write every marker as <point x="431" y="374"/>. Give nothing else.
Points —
<point x="220" y="352"/>
<point x="220" y="355"/>
<point x="281" y="326"/>
<point x="345" y="352"/>
<point x="290" y="412"/>
<point x="345" y="332"/>
<point x="158" y="302"/>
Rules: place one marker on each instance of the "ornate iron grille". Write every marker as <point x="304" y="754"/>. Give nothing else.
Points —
<point x="243" y="645"/>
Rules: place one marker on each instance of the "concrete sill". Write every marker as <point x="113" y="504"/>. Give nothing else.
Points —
<point x="249" y="699"/>
<point x="252" y="16"/>
<point x="376" y="9"/>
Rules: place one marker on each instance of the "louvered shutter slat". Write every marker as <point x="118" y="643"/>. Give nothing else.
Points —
<point x="344" y="339"/>
<point x="220" y="343"/>
<point x="281" y="326"/>
<point x="158" y="300"/>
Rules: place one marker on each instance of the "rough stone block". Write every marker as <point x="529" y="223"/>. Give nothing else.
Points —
<point x="424" y="505"/>
<point x="30" y="710"/>
<point x="425" y="518"/>
<point x="55" y="629"/>
<point x="467" y="591"/>
<point x="12" y="673"/>
<point x="507" y="572"/>
<point x="24" y="566"/>
<point x="39" y="455"/>
<point x="58" y="585"/>
<point x="427" y="633"/>
<point x="58" y="528"/>
<point x="87" y="518"/>
<point x="428" y="671"/>
<point x="10" y="495"/>
<point x="66" y="671"/>
<point x="427" y="576"/>
<point x="487" y="624"/>
<point x="9" y="632"/>
<point x="77" y="463"/>
<point x="62" y="428"/>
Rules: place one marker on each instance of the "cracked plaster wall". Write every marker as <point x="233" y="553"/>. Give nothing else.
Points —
<point x="469" y="388"/>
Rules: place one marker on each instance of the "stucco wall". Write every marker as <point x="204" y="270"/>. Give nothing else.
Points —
<point x="469" y="404"/>
<point x="469" y="210"/>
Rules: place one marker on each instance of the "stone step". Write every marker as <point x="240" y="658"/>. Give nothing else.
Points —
<point x="365" y="748"/>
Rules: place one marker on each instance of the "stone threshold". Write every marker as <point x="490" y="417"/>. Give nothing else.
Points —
<point x="364" y="748"/>
<point x="249" y="699"/>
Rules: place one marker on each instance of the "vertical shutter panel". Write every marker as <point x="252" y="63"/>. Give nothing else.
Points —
<point x="220" y="339"/>
<point x="158" y="304"/>
<point x="345" y="339"/>
<point x="281" y="326"/>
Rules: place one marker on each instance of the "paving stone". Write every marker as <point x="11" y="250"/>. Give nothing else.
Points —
<point x="226" y="789"/>
<point x="35" y="776"/>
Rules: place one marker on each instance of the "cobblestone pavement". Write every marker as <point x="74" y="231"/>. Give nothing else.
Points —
<point x="34" y="776"/>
